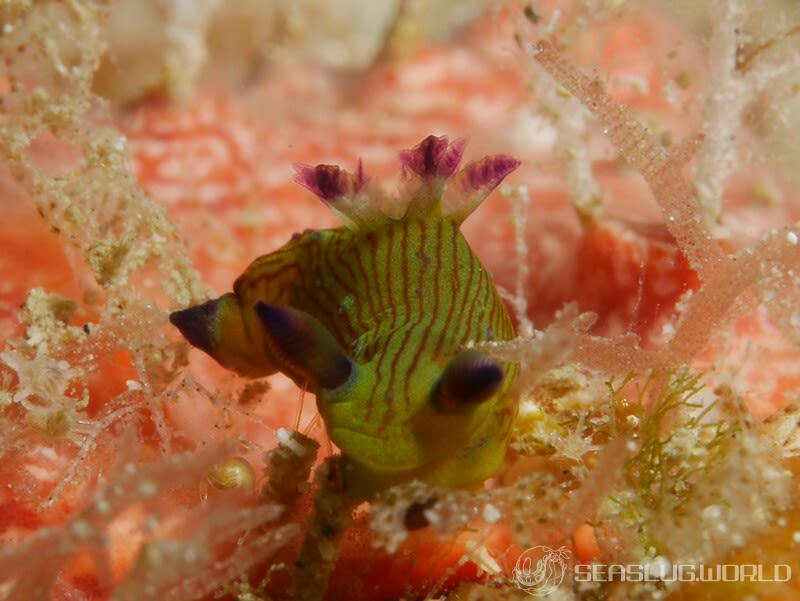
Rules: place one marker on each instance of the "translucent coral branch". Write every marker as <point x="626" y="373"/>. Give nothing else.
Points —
<point x="570" y="121"/>
<point x="725" y="98"/>
<point x="184" y="569"/>
<point x="518" y="200"/>
<point x="132" y="402"/>
<point x="776" y="261"/>
<point x="769" y="265"/>
<point x="734" y="83"/>
<point x="28" y="569"/>
<point x="661" y="170"/>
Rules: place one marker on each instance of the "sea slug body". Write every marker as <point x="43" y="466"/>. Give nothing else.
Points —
<point x="377" y="318"/>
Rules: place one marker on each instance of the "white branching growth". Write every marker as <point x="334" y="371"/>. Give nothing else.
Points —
<point x="734" y="82"/>
<point x="769" y="266"/>
<point x="661" y="170"/>
<point x="182" y="548"/>
<point x="727" y="95"/>
<point x="519" y="202"/>
<point x="569" y="120"/>
<point x="117" y="234"/>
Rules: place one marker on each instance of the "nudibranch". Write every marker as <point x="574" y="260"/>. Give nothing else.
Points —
<point x="379" y="318"/>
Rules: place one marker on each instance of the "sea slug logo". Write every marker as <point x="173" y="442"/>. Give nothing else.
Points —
<point x="540" y="570"/>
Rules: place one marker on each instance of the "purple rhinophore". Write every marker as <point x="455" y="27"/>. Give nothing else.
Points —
<point x="304" y="344"/>
<point x="435" y="156"/>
